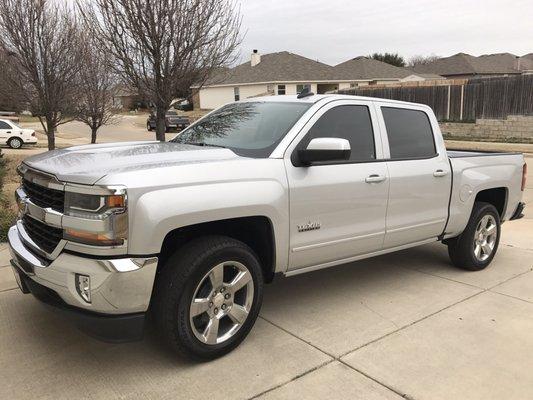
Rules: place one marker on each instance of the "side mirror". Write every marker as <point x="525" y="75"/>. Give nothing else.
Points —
<point x="324" y="149"/>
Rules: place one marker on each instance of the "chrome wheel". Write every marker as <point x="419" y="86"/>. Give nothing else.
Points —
<point x="221" y="302"/>
<point x="485" y="237"/>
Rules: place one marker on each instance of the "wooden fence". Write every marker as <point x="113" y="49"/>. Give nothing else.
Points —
<point x="477" y="98"/>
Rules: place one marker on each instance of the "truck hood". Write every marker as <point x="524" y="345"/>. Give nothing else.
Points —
<point x="90" y="163"/>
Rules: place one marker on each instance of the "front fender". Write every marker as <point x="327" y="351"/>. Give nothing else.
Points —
<point x="158" y="212"/>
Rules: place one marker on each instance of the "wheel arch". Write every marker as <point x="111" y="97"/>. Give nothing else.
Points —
<point x="255" y="231"/>
<point x="496" y="196"/>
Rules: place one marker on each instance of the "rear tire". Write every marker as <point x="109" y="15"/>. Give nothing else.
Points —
<point x="475" y="248"/>
<point x="188" y="307"/>
<point x="15" y="143"/>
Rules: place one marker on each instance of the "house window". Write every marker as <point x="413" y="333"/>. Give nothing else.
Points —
<point x="281" y="90"/>
<point x="270" y="89"/>
<point x="353" y="85"/>
<point x="236" y="93"/>
<point x="300" y="88"/>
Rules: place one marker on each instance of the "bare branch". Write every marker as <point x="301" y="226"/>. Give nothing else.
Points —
<point x="162" y="47"/>
<point x="41" y="39"/>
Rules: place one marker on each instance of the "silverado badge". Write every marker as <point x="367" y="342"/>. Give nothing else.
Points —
<point x="310" y="226"/>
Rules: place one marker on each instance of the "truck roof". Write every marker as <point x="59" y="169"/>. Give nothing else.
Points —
<point x="318" y="97"/>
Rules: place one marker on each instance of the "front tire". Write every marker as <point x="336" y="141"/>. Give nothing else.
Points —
<point x="208" y="296"/>
<point x="15" y="143"/>
<point x="475" y="248"/>
<point x="149" y="127"/>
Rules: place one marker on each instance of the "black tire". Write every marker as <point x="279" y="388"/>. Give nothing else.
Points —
<point x="176" y="284"/>
<point x="15" y="143"/>
<point x="462" y="248"/>
<point x="149" y="127"/>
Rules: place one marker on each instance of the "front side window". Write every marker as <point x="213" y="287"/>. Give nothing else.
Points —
<point x="352" y="123"/>
<point x="4" y="125"/>
<point x="250" y="129"/>
<point x="409" y="132"/>
<point x="301" y="88"/>
<point x="236" y="93"/>
<point x="281" y="90"/>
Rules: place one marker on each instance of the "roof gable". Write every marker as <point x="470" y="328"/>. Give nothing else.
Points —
<point x="465" y="64"/>
<point x="368" y="68"/>
<point x="275" y="67"/>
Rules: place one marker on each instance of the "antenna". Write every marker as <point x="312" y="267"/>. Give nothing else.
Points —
<point x="305" y="93"/>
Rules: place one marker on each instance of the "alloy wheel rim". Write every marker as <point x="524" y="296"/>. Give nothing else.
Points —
<point x="221" y="302"/>
<point x="16" y="143"/>
<point x="485" y="237"/>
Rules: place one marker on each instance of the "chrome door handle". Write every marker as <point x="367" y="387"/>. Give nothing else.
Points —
<point x="375" y="178"/>
<point x="440" y="173"/>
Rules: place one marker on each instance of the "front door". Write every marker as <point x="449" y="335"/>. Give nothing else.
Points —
<point x="337" y="209"/>
<point x="5" y="131"/>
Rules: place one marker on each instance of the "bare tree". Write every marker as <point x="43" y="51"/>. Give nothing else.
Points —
<point x="421" y="60"/>
<point x="42" y="39"/>
<point x="162" y="47"/>
<point x="9" y="101"/>
<point x="94" y="106"/>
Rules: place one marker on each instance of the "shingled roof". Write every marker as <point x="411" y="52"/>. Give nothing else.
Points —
<point x="465" y="64"/>
<point x="367" y="68"/>
<point x="275" y="67"/>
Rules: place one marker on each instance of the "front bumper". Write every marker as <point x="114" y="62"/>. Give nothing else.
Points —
<point x="120" y="288"/>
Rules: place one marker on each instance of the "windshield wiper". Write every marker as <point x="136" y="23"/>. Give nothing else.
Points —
<point x="201" y="144"/>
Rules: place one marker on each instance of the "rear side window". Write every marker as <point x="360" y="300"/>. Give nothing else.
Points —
<point x="352" y="123"/>
<point x="409" y="132"/>
<point x="4" y="125"/>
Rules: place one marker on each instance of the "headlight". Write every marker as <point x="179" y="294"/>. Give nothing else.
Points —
<point x="109" y="209"/>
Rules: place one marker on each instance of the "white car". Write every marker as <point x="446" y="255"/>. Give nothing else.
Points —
<point x="15" y="136"/>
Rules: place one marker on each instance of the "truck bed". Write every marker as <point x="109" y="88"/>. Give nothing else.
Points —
<point x="472" y="153"/>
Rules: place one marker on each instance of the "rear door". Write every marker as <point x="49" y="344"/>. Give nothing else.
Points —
<point x="335" y="213"/>
<point x="419" y="172"/>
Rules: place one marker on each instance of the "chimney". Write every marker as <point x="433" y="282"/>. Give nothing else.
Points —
<point x="256" y="58"/>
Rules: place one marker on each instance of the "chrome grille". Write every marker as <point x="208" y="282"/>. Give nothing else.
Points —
<point x="44" y="197"/>
<point x="44" y="236"/>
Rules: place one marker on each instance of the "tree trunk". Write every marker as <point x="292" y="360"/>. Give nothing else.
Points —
<point x="50" y="133"/>
<point x="93" y="134"/>
<point x="160" y="123"/>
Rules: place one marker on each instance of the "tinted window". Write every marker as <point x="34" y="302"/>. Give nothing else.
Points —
<point x="352" y="123"/>
<point x="4" y="125"/>
<point x="409" y="131"/>
<point x="251" y="129"/>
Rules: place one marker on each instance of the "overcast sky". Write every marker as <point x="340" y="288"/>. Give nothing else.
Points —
<point x="333" y="31"/>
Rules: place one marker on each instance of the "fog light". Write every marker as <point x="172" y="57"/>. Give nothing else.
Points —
<point x="83" y="286"/>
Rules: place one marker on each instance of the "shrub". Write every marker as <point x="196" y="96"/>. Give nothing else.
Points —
<point x="7" y="215"/>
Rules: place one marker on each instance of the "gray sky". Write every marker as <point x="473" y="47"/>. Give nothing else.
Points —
<point x="333" y="31"/>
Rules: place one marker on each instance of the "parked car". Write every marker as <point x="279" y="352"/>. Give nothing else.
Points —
<point x="190" y="230"/>
<point x="184" y="106"/>
<point x="15" y="136"/>
<point x="172" y="121"/>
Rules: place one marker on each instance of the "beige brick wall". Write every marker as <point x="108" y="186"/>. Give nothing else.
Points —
<point x="516" y="128"/>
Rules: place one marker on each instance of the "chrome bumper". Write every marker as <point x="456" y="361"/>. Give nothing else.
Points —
<point x="118" y="286"/>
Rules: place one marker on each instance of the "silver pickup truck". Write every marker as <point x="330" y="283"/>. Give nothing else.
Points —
<point x="188" y="231"/>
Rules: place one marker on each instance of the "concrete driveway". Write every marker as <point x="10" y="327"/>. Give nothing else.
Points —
<point x="405" y="324"/>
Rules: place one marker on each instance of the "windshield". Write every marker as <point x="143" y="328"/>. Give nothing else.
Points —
<point x="249" y="129"/>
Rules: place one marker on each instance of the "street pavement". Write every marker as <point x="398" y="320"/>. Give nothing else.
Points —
<point x="406" y="324"/>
